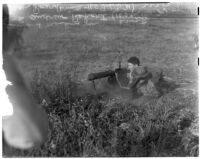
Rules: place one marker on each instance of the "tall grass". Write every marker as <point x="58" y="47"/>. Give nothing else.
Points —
<point x="100" y="126"/>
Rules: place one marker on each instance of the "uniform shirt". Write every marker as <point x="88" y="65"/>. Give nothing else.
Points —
<point x="157" y="73"/>
<point x="138" y="72"/>
<point x="146" y="86"/>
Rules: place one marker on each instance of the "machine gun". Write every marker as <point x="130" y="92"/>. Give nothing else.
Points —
<point x="99" y="75"/>
<point x="121" y="79"/>
<point x="110" y="75"/>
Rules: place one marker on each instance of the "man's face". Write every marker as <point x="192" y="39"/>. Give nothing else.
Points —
<point x="131" y="66"/>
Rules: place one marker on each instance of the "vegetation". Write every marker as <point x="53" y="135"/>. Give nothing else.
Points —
<point x="97" y="125"/>
<point x="55" y="61"/>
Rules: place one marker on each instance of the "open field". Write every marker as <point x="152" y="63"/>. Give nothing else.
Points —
<point x="54" y="60"/>
<point x="167" y="43"/>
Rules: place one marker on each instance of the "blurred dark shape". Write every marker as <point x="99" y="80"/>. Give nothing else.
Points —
<point x="5" y="26"/>
<point x="12" y="32"/>
<point x="28" y="126"/>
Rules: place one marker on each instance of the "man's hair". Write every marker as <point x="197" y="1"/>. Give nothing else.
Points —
<point x="134" y="60"/>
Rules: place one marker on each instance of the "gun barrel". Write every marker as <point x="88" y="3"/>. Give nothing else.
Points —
<point x="94" y="76"/>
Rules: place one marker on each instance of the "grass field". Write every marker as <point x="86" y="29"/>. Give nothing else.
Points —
<point x="53" y="60"/>
<point x="167" y="43"/>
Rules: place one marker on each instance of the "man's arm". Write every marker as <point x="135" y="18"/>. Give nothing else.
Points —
<point x="144" y="77"/>
<point x="132" y="83"/>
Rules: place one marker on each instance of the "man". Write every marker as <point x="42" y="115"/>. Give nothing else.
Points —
<point x="140" y="79"/>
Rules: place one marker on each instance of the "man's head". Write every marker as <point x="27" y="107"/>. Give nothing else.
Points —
<point x="133" y="62"/>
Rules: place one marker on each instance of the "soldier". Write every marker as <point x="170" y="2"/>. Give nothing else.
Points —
<point x="140" y="79"/>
